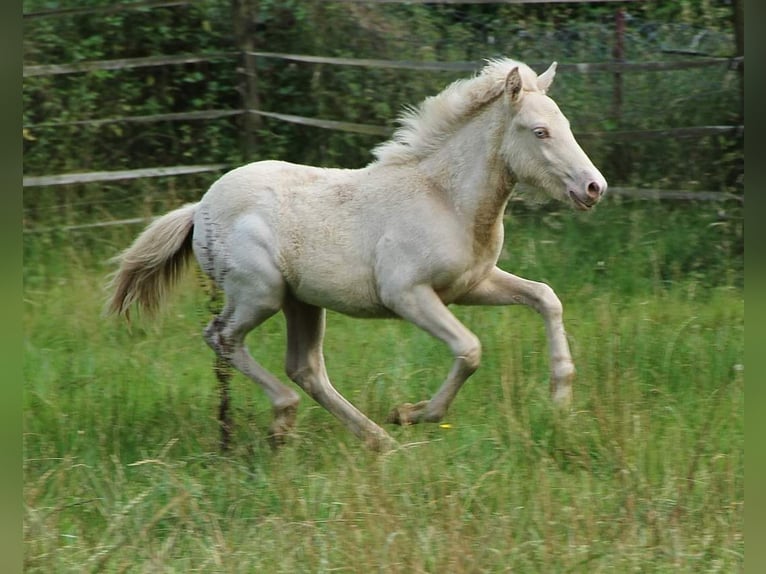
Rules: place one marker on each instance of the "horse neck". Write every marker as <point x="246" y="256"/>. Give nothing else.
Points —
<point x="469" y="167"/>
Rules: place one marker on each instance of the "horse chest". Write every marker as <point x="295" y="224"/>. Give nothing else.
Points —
<point x="487" y="240"/>
<point x="463" y="283"/>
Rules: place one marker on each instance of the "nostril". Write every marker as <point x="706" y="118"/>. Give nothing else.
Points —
<point x="594" y="189"/>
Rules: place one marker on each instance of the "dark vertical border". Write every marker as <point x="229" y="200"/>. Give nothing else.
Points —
<point x="755" y="289"/>
<point x="11" y="296"/>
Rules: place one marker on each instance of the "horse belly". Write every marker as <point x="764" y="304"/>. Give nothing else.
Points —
<point x="329" y="267"/>
<point x="336" y="285"/>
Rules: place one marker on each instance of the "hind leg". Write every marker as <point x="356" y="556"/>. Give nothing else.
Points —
<point x="225" y="334"/>
<point x="305" y="365"/>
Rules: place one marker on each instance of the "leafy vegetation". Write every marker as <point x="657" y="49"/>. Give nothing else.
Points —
<point x="654" y="31"/>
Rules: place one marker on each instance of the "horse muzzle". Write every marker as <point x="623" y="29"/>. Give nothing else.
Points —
<point x="591" y="196"/>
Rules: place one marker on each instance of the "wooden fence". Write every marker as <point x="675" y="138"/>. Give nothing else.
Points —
<point x="617" y="66"/>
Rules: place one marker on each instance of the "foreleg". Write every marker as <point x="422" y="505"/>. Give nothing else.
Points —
<point x="422" y="306"/>
<point x="502" y="288"/>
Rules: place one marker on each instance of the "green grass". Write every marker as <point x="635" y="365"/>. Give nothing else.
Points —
<point x="122" y="471"/>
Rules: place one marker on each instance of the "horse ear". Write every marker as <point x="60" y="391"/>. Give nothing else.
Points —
<point x="513" y="84"/>
<point x="545" y="79"/>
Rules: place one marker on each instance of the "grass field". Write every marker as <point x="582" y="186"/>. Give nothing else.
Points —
<point x="122" y="471"/>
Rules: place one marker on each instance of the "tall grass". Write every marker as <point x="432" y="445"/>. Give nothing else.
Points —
<point x="646" y="473"/>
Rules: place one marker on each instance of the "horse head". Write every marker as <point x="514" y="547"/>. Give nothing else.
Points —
<point x="538" y="145"/>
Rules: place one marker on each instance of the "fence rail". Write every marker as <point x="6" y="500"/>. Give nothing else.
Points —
<point x="460" y="66"/>
<point x="174" y="117"/>
<point x="471" y="66"/>
<point x="151" y="4"/>
<point x="122" y="64"/>
<point x="638" y="194"/>
<point x="113" y="9"/>
<point x="98" y="176"/>
<point x="366" y="129"/>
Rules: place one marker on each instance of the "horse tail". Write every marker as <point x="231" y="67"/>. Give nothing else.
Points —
<point x="153" y="263"/>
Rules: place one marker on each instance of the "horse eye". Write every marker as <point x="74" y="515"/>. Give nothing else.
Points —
<point x="541" y="133"/>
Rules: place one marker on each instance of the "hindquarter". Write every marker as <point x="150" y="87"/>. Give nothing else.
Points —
<point x="236" y="221"/>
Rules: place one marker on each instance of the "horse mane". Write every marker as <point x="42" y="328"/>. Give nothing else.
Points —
<point x="424" y="128"/>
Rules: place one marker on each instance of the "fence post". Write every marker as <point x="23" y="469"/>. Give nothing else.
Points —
<point x="736" y="168"/>
<point x="739" y="37"/>
<point x="618" y="56"/>
<point x="245" y="14"/>
<point x="617" y="159"/>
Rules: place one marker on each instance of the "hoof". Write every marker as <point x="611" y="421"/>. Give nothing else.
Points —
<point x="282" y="425"/>
<point x="561" y="392"/>
<point x="380" y="443"/>
<point x="407" y="414"/>
<point x="277" y="437"/>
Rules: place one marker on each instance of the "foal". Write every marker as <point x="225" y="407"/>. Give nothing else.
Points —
<point x="419" y="228"/>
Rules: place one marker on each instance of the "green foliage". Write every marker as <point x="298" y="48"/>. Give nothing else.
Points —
<point x="533" y="33"/>
<point x="630" y="247"/>
<point x="57" y="99"/>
